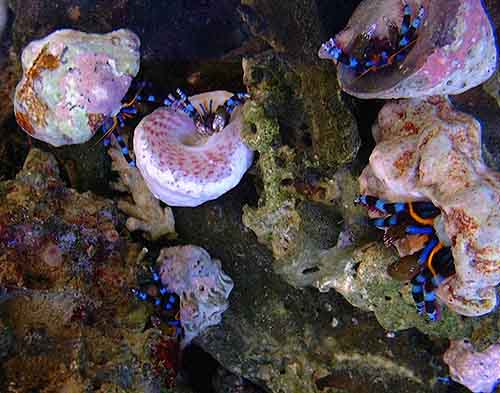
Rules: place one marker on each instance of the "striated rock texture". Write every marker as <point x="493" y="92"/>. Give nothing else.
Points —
<point x="183" y="168"/>
<point x="72" y="81"/>
<point x="202" y="286"/>
<point x="479" y="371"/>
<point x="427" y="150"/>
<point x="454" y="50"/>
<point x="68" y="319"/>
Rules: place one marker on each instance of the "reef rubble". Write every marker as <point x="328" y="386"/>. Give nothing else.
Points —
<point x="67" y="318"/>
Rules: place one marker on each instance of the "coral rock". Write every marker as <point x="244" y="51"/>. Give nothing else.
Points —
<point x="427" y="150"/>
<point x="72" y="81"/>
<point x="479" y="371"/>
<point x="203" y="287"/>
<point x="455" y="49"/>
<point x="145" y="214"/>
<point x="181" y="167"/>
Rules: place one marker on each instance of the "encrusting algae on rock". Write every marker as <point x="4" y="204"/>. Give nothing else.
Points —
<point x="303" y="132"/>
<point x="65" y="278"/>
<point x="72" y="81"/>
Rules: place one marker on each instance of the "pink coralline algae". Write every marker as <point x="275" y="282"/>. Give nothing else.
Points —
<point x="451" y="51"/>
<point x="72" y="81"/>
<point x="428" y="151"/>
<point x="202" y="286"/>
<point x="182" y="167"/>
<point x="478" y="371"/>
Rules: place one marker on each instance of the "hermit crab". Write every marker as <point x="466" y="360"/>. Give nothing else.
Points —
<point x="166" y="302"/>
<point x="188" y="156"/>
<point x="435" y="259"/>
<point x="413" y="48"/>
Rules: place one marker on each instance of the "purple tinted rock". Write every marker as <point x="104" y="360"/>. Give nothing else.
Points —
<point x="72" y="81"/>
<point x="202" y="286"/>
<point x="479" y="371"/>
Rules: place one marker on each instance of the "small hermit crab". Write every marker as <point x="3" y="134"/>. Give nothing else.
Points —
<point x="206" y="120"/>
<point x="370" y="53"/>
<point x="435" y="259"/>
<point x="413" y="48"/>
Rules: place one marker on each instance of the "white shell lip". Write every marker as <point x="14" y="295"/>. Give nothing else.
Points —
<point x="179" y="183"/>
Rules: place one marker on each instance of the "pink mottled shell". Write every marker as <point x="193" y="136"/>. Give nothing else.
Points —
<point x="180" y="167"/>
<point x="455" y="49"/>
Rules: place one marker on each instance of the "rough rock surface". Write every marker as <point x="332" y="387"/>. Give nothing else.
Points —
<point x="303" y="133"/>
<point x="298" y="340"/>
<point x="428" y="150"/>
<point x="68" y="320"/>
<point x="454" y="52"/>
<point x="72" y="81"/>
<point x="360" y="274"/>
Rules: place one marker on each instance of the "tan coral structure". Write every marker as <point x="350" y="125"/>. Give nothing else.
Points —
<point x="427" y="150"/>
<point x="145" y="213"/>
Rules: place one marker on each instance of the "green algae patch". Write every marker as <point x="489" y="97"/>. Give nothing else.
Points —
<point x="360" y="275"/>
<point x="302" y="133"/>
<point x="334" y="132"/>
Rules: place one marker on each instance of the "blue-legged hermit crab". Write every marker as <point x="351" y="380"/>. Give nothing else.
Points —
<point x="435" y="259"/>
<point x="369" y="53"/>
<point x="166" y="303"/>
<point x="206" y="120"/>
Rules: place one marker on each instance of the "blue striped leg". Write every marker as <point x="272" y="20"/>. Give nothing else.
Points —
<point x="331" y="50"/>
<point x="408" y="32"/>
<point x="441" y="267"/>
